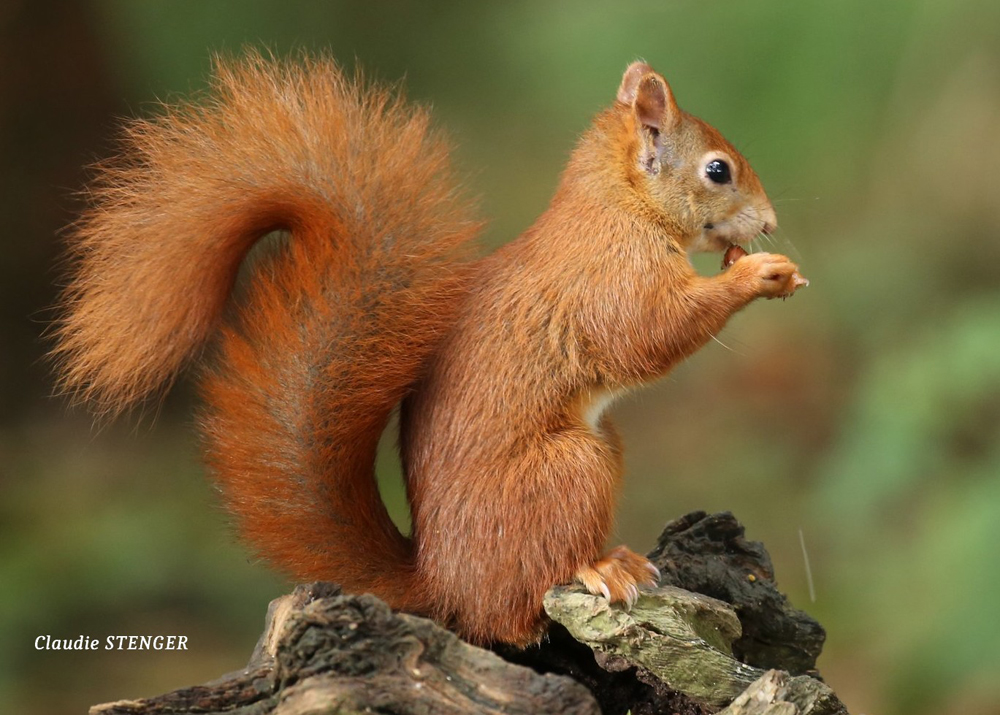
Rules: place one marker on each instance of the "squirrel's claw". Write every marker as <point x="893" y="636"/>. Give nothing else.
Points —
<point x="618" y="576"/>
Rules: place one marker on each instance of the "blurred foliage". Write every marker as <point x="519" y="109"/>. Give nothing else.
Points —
<point x="865" y="412"/>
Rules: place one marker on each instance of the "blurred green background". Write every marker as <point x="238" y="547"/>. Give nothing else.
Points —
<point x="864" y="413"/>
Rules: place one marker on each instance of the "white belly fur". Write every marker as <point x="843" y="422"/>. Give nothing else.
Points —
<point x="595" y="402"/>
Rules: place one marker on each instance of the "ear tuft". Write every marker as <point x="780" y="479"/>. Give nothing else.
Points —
<point x="630" y="81"/>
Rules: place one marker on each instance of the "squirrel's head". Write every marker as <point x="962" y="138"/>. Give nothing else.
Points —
<point x="685" y="168"/>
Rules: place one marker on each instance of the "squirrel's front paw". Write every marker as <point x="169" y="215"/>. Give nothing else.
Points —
<point x="768" y="275"/>
<point x="618" y="575"/>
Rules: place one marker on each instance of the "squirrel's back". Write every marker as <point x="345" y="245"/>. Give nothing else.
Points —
<point x="333" y="328"/>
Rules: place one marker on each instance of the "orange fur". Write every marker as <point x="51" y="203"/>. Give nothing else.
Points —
<point x="502" y="365"/>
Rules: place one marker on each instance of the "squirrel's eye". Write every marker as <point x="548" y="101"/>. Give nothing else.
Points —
<point x="718" y="171"/>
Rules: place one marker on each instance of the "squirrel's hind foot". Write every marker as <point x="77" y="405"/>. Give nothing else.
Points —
<point x="618" y="575"/>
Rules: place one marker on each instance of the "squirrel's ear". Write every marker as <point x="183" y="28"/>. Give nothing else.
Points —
<point x="630" y="81"/>
<point x="649" y="95"/>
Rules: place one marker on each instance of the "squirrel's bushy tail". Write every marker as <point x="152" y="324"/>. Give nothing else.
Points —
<point x="333" y="327"/>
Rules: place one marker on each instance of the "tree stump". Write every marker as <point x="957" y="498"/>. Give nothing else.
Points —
<point x="674" y="651"/>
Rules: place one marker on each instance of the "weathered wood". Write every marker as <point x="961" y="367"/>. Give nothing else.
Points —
<point x="778" y="693"/>
<point x="709" y="554"/>
<point x="675" y="651"/>
<point x="620" y="688"/>
<point x="324" y="652"/>
<point x="683" y="638"/>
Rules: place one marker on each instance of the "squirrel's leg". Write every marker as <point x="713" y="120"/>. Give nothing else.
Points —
<point x="688" y="318"/>
<point x="680" y="315"/>
<point x="540" y="518"/>
<point x="617" y="574"/>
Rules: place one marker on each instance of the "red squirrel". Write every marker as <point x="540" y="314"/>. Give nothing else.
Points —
<point x="502" y="366"/>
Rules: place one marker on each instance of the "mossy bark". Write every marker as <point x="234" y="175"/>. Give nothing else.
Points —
<point x="675" y="651"/>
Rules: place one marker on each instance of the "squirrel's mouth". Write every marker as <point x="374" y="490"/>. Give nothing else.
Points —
<point x="717" y="238"/>
<point x="732" y="254"/>
<point x="737" y="230"/>
<point x="720" y="235"/>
